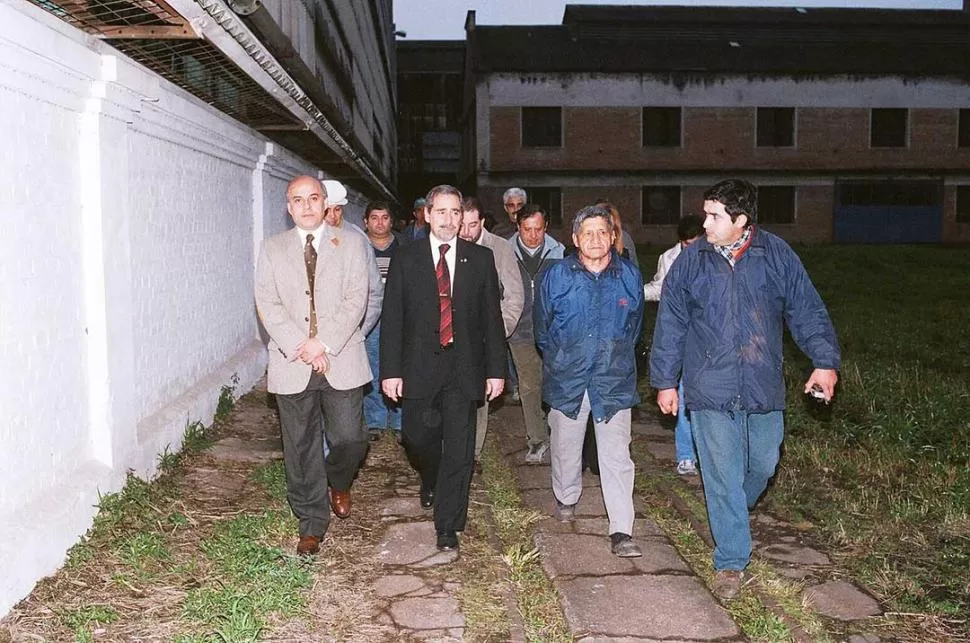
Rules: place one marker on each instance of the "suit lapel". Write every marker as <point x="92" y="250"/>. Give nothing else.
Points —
<point x="462" y="273"/>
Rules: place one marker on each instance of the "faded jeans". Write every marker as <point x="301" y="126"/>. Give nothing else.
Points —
<point x="738" y="452"/>
<point x="683" y="438"/>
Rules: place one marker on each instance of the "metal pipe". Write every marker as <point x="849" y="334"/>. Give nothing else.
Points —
<point x="231" y="24"/>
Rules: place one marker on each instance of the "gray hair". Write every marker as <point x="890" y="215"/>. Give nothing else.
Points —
<point x="439" y="190"/>
<point x="519" y="192"/>
<point x="589" y="212"/>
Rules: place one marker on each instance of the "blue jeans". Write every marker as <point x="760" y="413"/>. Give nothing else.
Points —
<point x="379" y="412"/>
<point x="683" y="438"/>
<point x="738" y="454"/>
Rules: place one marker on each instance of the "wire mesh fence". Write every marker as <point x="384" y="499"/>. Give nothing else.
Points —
<point x="151" y="33"/>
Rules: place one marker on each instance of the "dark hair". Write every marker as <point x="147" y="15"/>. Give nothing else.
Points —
<point x="377" y="205"/>
<point x="738" y="197"/>
<point x="690" y="226"/>
<point x="530" y="210"/>
<point x="439" y="190"/>
<point x="472" y="203"/>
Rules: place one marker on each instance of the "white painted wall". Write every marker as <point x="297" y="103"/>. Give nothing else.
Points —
<point x="635" y="90"/>
<point x="131" y="214"/>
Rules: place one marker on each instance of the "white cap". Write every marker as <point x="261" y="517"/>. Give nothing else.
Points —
<point x="336" y="193"/>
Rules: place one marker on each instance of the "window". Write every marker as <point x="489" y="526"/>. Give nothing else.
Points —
<point x="776" y="127"/>
<point x="551" y="200"/>
<point x="963" y="203"/>
<point x="888" y="128"/>
<point x="776" y="204"/>
<point x="661" y="127"/>
<point x="660" y="205"/>
<point x="963" y="138"/>
<point x="541" y="127"/>
<point x="890" y="193"/>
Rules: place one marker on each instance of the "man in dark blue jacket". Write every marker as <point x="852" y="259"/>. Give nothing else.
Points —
<point x="720" y="323"/>
<point x="587" y="314"/>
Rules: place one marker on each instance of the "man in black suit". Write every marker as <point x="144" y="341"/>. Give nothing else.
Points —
<point x="442" y="351"/>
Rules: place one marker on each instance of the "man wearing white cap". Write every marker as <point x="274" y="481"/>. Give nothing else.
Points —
<point x="334" y="216"/>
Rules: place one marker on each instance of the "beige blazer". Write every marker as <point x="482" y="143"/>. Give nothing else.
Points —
<point x="283" y="303"/>
<point x="509" y="277"/>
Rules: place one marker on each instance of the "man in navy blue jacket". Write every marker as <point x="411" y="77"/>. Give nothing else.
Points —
<point x="722" y="313"/>
<point x="587" y="314"/>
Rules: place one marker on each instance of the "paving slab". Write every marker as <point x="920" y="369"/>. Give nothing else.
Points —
<point x="427" y="613"/>
<point x="530" y="476"/>
<point x="404" y="506"/>
<point x="842" y="600"/>
<point x="642" y="527"/>
<point x="650" y="607"/>
<point x="796" y="554"/>
<point x="412" y="544"/>
<point x="662" y="450"/>
<point x="397" y="584"/>
<point x="652" y="430"/>
<point x="218" y="483"/>
<point x="590" y="503"/>
<point x="583" y="555"/>
<point x="233" y="448"/>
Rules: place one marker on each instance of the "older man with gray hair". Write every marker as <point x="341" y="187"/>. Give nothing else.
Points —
<point x="587" y="314"/>
<point x="512" y="201"/>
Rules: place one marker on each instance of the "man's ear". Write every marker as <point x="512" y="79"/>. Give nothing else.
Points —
<point x="741" y="222"/>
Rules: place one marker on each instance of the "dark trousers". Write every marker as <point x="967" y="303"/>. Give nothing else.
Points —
<point x="302" y="422"/>
<point x="438" y="434"/>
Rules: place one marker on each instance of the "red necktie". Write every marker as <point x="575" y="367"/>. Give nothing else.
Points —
<point x="446" y="334"/>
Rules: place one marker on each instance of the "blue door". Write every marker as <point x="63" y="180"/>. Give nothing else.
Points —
<point x="888" y="212"/>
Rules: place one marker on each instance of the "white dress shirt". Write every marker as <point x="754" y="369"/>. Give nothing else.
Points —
<point x="316" y="236"/>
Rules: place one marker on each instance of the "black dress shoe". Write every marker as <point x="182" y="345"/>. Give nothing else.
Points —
<point x="447" y="541"/>
<point x="427" y="497"/>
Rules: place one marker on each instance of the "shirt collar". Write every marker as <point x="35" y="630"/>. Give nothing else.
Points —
<point x="317" y="234"/>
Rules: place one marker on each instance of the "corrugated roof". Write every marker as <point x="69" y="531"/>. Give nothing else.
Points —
<point x="734" y="40"/>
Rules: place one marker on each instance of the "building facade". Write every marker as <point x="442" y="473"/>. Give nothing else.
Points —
<point x="853" y="123"/>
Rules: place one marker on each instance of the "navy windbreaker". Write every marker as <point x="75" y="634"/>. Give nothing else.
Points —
<point x="586" y="327"/>
<point x="722" y="326"/>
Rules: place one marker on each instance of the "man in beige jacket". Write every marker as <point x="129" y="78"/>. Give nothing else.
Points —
<point x="510" y="288"/>
<point x="311" y="300"/>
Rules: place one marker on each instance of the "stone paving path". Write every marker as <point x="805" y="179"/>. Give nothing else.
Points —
<point x="604" y="598"/>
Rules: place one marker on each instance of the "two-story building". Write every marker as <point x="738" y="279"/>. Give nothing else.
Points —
<point x="854" y="123"/>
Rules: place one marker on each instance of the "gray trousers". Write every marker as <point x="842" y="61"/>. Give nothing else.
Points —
<point x="308" y="472"/>
<point x="528" y="363"/>
<point x="616" y="466"/>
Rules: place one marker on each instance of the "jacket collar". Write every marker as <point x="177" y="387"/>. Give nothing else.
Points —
<point x="576" y="265"/>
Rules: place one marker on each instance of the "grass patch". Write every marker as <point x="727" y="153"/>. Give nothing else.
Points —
<point x="883" y="474"/>
<point x="272" y="478"/>
<point x="253" y="579"/>
<point x="535" y="596"/>
<point x="82" y="620"/>
<point x="227" y="398"/>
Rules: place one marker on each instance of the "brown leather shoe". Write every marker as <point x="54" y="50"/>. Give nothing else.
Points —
<point x="308" y="546"/>
<point x="340" y="502"/>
